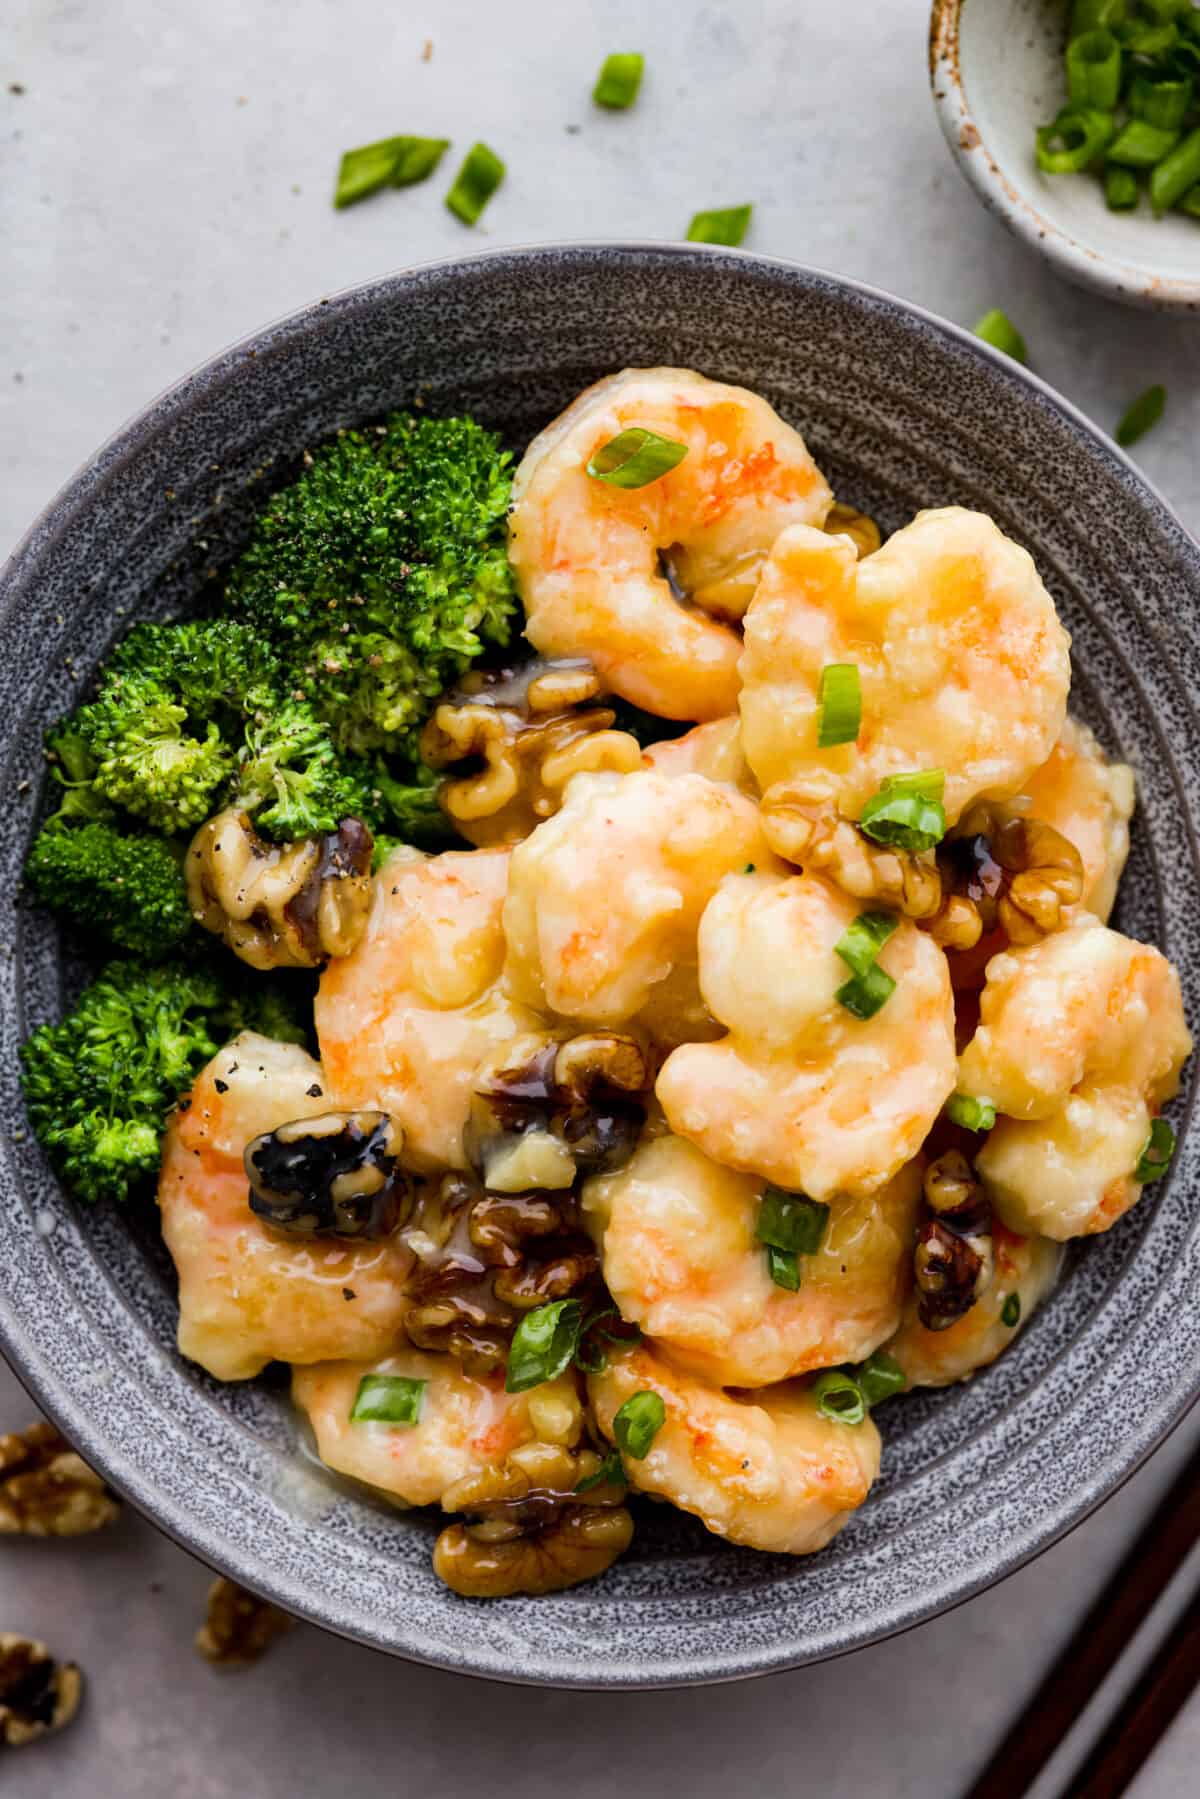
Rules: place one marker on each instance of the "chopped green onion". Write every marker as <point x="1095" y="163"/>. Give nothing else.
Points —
<point x="1094" y="70"/>
<point x="392" y="162"/>
<point x="783" y="1266"/>
<point x="1183" y="62"/>
<point x="619" y="80"/>
<point x="861" y="943"/>
<point x="839" y="703"/>
<point x="791" y="1221"/>
<point x="638" y="1422"/>
<point x="839" y="1397"/>
<point x="593" y="1359"/>
<point x="1074" y="141"/>
<point x="997" y="329"/>
<point x="1175" y="174"/>
<point x="1162" y="103"/>
<point x="1120" y="189"/>
<point x="880" y="1376"/>
<point x="1191" y="203"/>
<point x="972" y="1114"/>
<point x="1010" y="1311"/>
<point x="1163" y="12"/>
<point x="907" y="812"/>
<point x="387" y="1399"/>
<point x="749" y="869"/>
<point x="1140" y="146"/>
<point x="1141" y="37"/>
<point x="481" y="174"/>
<point x="728" y="226"/>
<point x="1096" y="15"/>
<point x="635" y="457"/>
<point x="865" y="994"/>
<point x="612" y="1468"/>
<point x="543" y="1344"/>
<point x="1145" y="413"/>
<point x="1156" y="1154"/>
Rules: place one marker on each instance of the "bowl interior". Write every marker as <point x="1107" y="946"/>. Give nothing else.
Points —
<point x="902" y="412"/>
<point x="1009" y="68"/>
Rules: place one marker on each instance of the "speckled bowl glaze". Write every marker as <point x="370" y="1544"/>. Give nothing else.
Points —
<point x="996" y="67"/>
<point x="902" y="411"/>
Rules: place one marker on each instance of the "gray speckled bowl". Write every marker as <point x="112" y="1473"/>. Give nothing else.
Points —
<point x="902" y="411"/>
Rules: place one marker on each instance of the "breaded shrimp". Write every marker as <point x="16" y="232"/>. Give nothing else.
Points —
<point x="766" y="1469"/>
<point x="963" y="665"/>
<point x="604" y="899"/>
<point x="587" y="555"/>
<point x="1090" y="800"/>
<point x="1026" y="1269"/>
<point x="1081" y="1040"/>
<point x="714" y="750"/>
<point x="801" y="1091"/>
<point x="248" y="1294"/>
<point x="681" y="1259"/>
<point x="406" y="1019"/>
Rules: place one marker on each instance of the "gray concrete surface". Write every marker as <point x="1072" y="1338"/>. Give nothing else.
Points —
<point x="164" y="185"/>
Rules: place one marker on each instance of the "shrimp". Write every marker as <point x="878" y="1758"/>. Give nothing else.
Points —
<point x="406" y="1019"/>
<point x="962" y="663"/>
<point x="1081" y="1040"/>
<point x="1026" y="1269"/>
<point x="604" y="899"/>
<point x="1090" y="800"/>
<point x="588" y="556"/>
<point x="249" y="1295"/>
<point x="766" y="1470"/>
<point x="801" y="1091"/>
<point x="467" y="1422"/>
<point x="681" y="1260"/>
<point x="714" y="750"/>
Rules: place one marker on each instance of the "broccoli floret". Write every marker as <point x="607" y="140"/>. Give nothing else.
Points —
<point x="293" y="782"/>
<point x="214" y="667"/>
<point x="129" y="888"/>
<point x="99" y="1086"/>
<point x="382" y="573"/>
<point x="147" y="758"/>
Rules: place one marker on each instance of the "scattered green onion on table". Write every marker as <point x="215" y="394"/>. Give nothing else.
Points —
<point x="477" y="180"/>
<point x="392" y="162"/>
<point x="728" y="226"/>
<point x="1141" y="416"/>
<point x="1132" y="111"/>
<point x="997" y="329"/>
<point x="619" y="80"/>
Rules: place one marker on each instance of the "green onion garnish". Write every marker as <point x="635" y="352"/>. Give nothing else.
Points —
<point x="839" y="1397"/>
<point x="879" y="1377"/>
<point x="907" y="812"/>
<point x="997" y="329"/>
<point x="1010" y="1311"/>
<point x="595" y="1335"/>
<point x="727" y="226"/>
<point x="1175" y="174"/>
<point x="612" y="1468"/>
<point x="619" y="80"/>
<point x="1096" y="15"/>
<point x="1120" y="189"/>
<point x="543" y="1344"/>
<point x="1162" y="103"/>
<point x="1074" y="141"/>
<point x="1139" y="146"/>
<point x="861" y="943"/>
<point x="1145" y="413"/>
<point x="971" y="1113"/>
<point x="865" y="994"/>
<point x="839" y="715"/>
<point x="481" y="174"/>
<point x="783" y="1266"/>
<point x="1142" y="37"/>
<point x="1094" y="70"/>
<point x="791" y="1221"/>
<point x="1156" y="1154"/>
<point x="635" y="457"/>
<point x="1191" y="203"/>
<point x="387" y="1399"/>
<point x="392" y="162"/>
<point x="638" y="1423"/>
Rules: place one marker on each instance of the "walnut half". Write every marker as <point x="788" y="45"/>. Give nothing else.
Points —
<point x="239" y="1626"/>
<point x="1002" y="868"/>
<point x="802" y="824"/>
<point x="37" y="1694"/>
<point x="46" y="1490"/>
<point x="953" y="1260"/>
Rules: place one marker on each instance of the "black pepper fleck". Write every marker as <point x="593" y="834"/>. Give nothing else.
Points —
<point x="221" y="1086"/>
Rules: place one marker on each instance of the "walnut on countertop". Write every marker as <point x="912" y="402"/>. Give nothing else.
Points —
<point x="37" y="1694"/>
<point x="239" y="1626"/>
<point x="46" y="1490"/>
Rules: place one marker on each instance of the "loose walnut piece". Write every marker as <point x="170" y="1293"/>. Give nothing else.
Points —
<point x="534" y="728"/>
<point x="280" y="905"/>
<point x="37" y="1694"/>
<point x="336" y="1175"/>
<point x="239" y="1626"/>
<point x="1001" y="868"/>
<point x="953" y="1259"/>
<point x="46" y="1490"/>
<point x="802" y="825"/>
<point x="863" y="531"/>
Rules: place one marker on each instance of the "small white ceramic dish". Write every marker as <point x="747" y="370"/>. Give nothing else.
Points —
<point x="996" y="67"/>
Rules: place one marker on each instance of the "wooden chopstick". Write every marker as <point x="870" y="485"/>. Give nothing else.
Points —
<point x="1097" y="1645"/>
<point x="1146" y="1715"/>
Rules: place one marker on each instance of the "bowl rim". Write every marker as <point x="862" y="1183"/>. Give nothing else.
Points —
<point x="1128" y="282"/>
<point x="69" y="1409"/>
